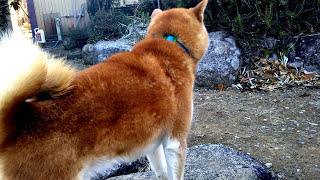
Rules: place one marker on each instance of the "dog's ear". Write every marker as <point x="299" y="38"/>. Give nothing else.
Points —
<point x="155" y="13"/>
<point x="199" y="10"/>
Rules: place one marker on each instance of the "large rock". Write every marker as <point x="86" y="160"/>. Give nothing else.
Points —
<point x="87" y="53"/>
<point x="70" y="43"/>
<point x="215" y="162"/>
<point x="305" y="53"/>
<point x="221" y="63"/>
<point x="139" y="165"/>
<point x="102" y="50"/>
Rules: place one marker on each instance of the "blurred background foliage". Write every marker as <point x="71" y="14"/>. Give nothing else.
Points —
<point x="106" y="23"/>
<point x="253" y="18"/>
<point x="263" y="26"/>
<point x="4" y="12"/>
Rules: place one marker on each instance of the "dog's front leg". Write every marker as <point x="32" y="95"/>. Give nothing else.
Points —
<point x="175" y="152"/>
<point x="158" y="163"/>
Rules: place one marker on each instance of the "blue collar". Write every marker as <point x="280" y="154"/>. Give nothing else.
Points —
<point x="175" y="39"/>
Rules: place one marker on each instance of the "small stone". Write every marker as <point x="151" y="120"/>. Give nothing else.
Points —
<point x="276" y="148"/>
<point x="301" y="141"/>
<point x="286" y="107"/>
<point x="269" y="165"/>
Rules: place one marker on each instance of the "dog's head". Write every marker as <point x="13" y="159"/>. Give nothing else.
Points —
<point x="186" y="25"/>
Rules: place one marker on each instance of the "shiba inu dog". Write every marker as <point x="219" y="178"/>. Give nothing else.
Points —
<point x="57" y="124"/>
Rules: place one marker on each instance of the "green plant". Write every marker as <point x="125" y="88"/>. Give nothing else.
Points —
<point x="107" y="25"/>
<point x="251" y="20"/>
<point x="78" y="33"/>
<point x="280" y="19"/>
<point x="248" y="19"/>
<point x="147" y="6"/>
<point x="93" y="6"/>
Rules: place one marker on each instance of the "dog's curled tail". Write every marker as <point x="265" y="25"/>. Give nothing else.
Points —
<point x="26" y="72"/>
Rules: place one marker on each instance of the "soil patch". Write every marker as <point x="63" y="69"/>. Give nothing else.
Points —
<point x="279" y="128"/>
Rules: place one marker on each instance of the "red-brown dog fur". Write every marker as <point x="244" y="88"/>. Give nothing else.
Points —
<point x="119" y="110"/>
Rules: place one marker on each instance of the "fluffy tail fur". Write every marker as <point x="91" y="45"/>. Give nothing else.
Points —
<point x="26" y="72"/>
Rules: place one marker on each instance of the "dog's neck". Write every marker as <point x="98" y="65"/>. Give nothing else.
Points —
<point x="175" y="39"/>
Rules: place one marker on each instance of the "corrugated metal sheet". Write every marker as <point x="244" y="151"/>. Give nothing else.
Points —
<point x="47" y="10"/>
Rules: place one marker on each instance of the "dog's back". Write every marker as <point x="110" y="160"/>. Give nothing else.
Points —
<point x="119" y="110"/>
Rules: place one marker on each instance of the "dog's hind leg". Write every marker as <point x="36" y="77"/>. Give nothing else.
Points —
<point x="175" y="152"/>
<point x="158" y="163"/>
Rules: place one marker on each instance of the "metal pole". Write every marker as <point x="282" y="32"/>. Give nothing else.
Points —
<point x="74" y="13"/>
<point x="58" y="24"/>
<point x="158" y="4"/>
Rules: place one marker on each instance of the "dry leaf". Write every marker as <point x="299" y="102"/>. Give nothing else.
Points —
<point x="290" y="67"/>
<point x="269" y="70"/>
<point x="283" y="72"/>
<point x="292" y="76"/>
<point x="244" y="79"/>
<point x="220" y="87"/>
<point x="264" y="61"/>
<point x="272" y="87"/>
<point x="277" y="63"/>
<point x="307" y="77"/>
<point x="283" y="77"/>
<point x="281" y="68"/>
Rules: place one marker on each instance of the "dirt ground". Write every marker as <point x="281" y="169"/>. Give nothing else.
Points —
<point x="279" y="128"/>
